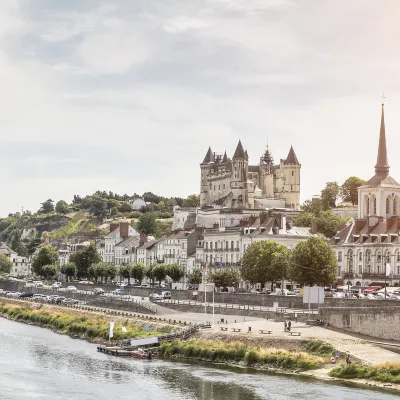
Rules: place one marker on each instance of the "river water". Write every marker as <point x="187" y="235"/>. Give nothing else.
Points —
<point x="36" y="364"/>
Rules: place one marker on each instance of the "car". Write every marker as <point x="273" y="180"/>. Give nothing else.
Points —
<point x="69" y="301"/>
<point x="71" y="289"/>
<point x="26" y="294"/>
<point x="155" y="296"/>
<point x="254" y="291"/>
<point x="86" y="282"/>
<point x="166" y="295"/>
<point x="38" y="284"/>
<point x="60" y="299"/>
<point x="192" y="287"/>
<point x="98" y="291"/>
<point x="56" y="285"/>
<point x="117" y="292"/>
<point x="37" y="297"/>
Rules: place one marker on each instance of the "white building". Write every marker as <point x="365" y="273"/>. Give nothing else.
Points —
<point x="367" y="244"/>
<point x="137" y="204"/>
<point x="21" y="266"/>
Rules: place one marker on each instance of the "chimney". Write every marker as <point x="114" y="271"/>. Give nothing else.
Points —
<point x="124" y="229"/>
<point x="360" y="224"/>
<point x="113" y="226"/>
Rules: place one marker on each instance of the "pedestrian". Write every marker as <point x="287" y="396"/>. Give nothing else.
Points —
<point x="284" y="329"/>
<point x="348" y="361"/>
<point x="289" y="325"/>
<point x="337" y="355"/>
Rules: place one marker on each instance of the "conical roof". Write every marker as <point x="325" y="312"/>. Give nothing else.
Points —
<point x="292" y="158"/>
<point x="382" y="164"/>
<point x="246" y="155"/>
<point x="209" y="157"/>
<point x="225" y="159"/>
<point x="239" y="152"/>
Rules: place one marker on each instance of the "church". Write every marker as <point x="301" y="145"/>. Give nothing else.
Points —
<point x="367" y="244"/>
<point x="234" y="184"/>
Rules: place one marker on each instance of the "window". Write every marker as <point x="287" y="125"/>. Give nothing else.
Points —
<point x="398" y="256"/>
<point x="214" y="187"/>
<point x="292" y="173"/>
<point x="232" y="245"/>
<point x="387" y="205"/>
<point x="340" y="256"/>
<point x="224" y="185"/>
<point x="378" y="268"/>
<point x="374" y="205"/>
<point x="291" y="187"/>
<point x="360" y="256"/>
<point x="379" y="258"/>
<point x="398" y="270"/>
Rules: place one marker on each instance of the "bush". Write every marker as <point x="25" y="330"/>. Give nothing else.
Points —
<point x="321" y="348"/>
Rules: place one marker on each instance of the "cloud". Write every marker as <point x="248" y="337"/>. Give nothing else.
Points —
<point x="127" y="96"/>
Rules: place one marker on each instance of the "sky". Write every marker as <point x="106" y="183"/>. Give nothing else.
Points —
<point x="128" y="95"/>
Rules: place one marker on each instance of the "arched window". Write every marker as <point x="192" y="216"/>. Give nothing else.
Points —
<point x="366" y="205"/>
<point x="350" y="260"/>
<point x="374" y="205"/>
<point x="388" y="205"/>
<point x="368" y="255"/>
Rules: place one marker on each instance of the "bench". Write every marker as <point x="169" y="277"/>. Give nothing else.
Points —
<point x="236" y="330"/>
<point x="265" y="332"/>
<point x="294" y="333"/>
<point x="223" y="328"/>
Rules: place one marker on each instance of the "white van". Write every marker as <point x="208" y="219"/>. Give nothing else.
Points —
<point x="166" y="295"/>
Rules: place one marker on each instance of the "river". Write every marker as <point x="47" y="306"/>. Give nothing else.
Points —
<point x="37" y="364"/>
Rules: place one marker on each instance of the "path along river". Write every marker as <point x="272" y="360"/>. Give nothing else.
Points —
<point x="37" y="364"/>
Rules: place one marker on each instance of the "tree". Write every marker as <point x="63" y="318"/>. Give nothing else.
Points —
<point x="149" y="274"/>
<point x="125" y="208"/>
<point x="313" y="206"/>
<point x="110" y="272"/>
<point x="5" y="264"/>
<point x="61" y="207"/>
<point x="349" y="189"/>
<point x="175" y="272"/>
<point x="47" y="207"/>
<point x="313" y="263"/>
<point x="98" y="270"/>
<point x="329" y="195"/>
<point x="148" y="224"/>
<point x="192" y="201"/>
<point x="69" y="270"/>
<point x="265" y="261"/>
<point x="159" y="272"/>
<point x="329" y="223"/>
<point x="47" y="256"/>
<point x="49" y="271"/>
<point x="84" y="258"/>
<point x="125" y="272"/>
<point x="195" y="277"/>
<point x="225" y="277"/>
<point x="98" y="206"/>
<point x="138" y="271"/>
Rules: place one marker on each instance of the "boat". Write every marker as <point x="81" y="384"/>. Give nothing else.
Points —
<point x="143" y="354"/>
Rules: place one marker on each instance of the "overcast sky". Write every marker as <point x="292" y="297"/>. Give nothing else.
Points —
<point x="127" y="95"/>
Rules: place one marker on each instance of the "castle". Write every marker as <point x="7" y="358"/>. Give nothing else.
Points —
<point x="233" y="183"/>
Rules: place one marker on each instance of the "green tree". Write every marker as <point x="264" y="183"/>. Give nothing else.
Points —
<point x="195" y="277"/>
<point x="47" y="256"/>
<point x="329" y="195"/>
<point x="225" y="277"/>
<point x="313" y="206"/>
<point x="313" y="263"/>
<point x="349" y="189"/>
<point x="265" y="261"/>
<point x="61" y="207"/>
<point x="98" y="207"/>
<point x="175" y="272"/>
<point x="98" y="270"/>
<point x="69" y="270"/>
<point x="84" y="258"/>
<point x="148" y="224"/>
<point x="125" y="208"/>
<point x="192" y="201"/>
<point x="125" y="272"/>
<point x="5" y="264"/>
<point x="159" y="272"/>
<point x="49" y="271"/>
<point x="138" y="271"/>
<point x="304" y="219"/>
<point x="47" y="207"/>
<point x="150" y="275"/>
<point x="329" y="223"/>
<point x="110" y="272"/>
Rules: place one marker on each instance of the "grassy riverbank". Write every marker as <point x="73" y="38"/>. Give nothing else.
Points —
<point x="89" y="326"/>
<point x="237" y="352"/>
<point x="387" y="372"/>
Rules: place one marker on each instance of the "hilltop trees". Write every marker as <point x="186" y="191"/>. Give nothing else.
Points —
<point x="265" y="261"/>
<point x="147" y="224"/>
<point x="349" y="189"/>
<point x="313" y="263"/>
<point x="192" y="201"/>
<point x="61" y="207"/>
<point x="47" y="207"/>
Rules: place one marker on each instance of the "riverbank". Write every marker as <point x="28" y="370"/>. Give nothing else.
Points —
<point x="299" y="357"/>
<point x="89" y="326"/>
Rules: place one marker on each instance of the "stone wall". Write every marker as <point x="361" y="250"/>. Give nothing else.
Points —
<point x="377" y="322"/>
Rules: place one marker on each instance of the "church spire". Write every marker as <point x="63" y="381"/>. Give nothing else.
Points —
<point x="382" y="164"/>
<point x="239" y="152"/>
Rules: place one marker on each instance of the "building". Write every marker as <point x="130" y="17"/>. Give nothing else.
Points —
<point x="371" y="241"/>
<point x="65" y="251"/>
<point x="234" y="184"/>
<point x="137" y="204"/>
<point x="21" y="266"/>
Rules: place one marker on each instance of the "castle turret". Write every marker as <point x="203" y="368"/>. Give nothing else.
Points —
<point x="239" y="177"/>
<point x="291" y="169"/>
<point x="205" y="168"/>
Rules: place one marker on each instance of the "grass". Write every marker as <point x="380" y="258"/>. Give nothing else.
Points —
<point x="239" y="352"/>
<point x="318" y="347"/>
<point x="89" y="326"/>
<point x="386" y="372"/>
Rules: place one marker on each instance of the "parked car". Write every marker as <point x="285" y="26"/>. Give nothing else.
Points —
<point x="192" y="287"/>
<point x="86" y="282"/>
<point x="254" y="291"/>
<point x="69" y="301"/>
<point x="13" y="294"/>
<point x="56" y="285"/>
<point x="26" y="294"/>
<point x="38" y="284"/>
<point x="98" y="291"/>
<point x="71" y="289"/>
<point x="117" y="292"/>
<point x="37" y="297"/>
<point x="155" y="296"/>
<point x="60" y="299"/>
<point x="166" y="295"/>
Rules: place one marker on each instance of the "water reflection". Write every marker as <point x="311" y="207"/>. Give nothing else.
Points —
<point x="38" y="364"/>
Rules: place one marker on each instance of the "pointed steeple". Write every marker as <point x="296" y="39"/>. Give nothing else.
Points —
<point x="225" y="159"/>
<point x="292" y="158"/>
<point x="239" y="152"/>
<point x="209" y="157"/>
<point x="267" y="157"/>
<point x="246" y="155"/>
<point x="382" y="164"/>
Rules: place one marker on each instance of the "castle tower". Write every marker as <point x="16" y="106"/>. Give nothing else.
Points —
<point x="205" y="168"/>
<point x="266" y="180"/>
<point x="380" y="196"/>
<point x="239" y="177"/>
<point x="291" y="172"/>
